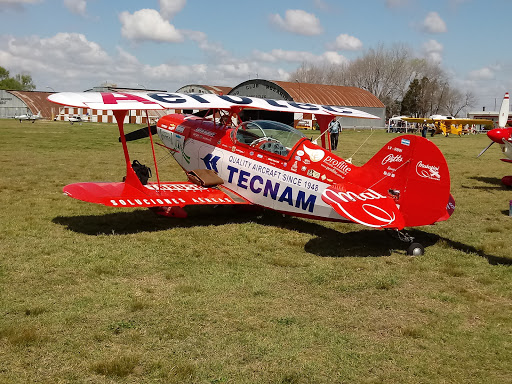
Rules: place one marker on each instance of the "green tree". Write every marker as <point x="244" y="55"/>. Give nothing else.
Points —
<point x="20" y="82"/>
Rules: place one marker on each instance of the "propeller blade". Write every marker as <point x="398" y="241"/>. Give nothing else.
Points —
<point x="486" y="148"/>
<point x="139" y="133"/>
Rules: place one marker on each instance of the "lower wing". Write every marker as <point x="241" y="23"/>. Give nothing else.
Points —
<point x="169" y="194"/>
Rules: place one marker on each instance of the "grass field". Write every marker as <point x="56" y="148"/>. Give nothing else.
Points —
<point x="90" y="294"/>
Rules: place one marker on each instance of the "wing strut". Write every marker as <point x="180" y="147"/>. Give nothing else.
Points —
<point x="153" y="150"/>
<point x="131" y="176"/>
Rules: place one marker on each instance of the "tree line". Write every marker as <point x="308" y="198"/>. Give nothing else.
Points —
<point x="20" y="82"/>
<point x="407" y="85"/>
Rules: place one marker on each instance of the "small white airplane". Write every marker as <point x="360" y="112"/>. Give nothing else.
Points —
<point x="78" y="119"/>
<point x="29" y="117"/>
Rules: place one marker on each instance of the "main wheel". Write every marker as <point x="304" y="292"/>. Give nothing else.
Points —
<point x="415" y="249"/>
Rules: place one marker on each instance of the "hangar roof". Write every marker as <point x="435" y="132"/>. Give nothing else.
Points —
<point x="36" y="101"/>
<point x="198" y="88"/>
<point x="315" y="93"/>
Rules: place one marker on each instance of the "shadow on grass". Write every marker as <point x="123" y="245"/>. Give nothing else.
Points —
<point x="488" y="180"/>
<point x="326" y="242"/>
<point x="494" y="181"/>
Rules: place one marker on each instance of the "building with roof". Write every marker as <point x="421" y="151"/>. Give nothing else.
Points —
<point x="491" y="115"/>
<point x="351" y="97"/>
<point x="196" y="88"/>
<point x="14" y="103"/>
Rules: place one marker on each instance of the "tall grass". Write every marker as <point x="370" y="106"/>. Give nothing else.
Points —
<point x="94" y="294"/>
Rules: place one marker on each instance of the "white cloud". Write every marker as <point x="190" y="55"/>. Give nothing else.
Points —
<point x="433" y="50"/>
<point x="60" y="61"/>
<point x="69" y="62"/>
<point x="346" y="42"/>
<point x="485" y="73"/>
<point x="76" y="6"/>
<point x="277" y="55"/>
<point x="16" y="5"/>
<point x="332" y="57"/>
<point x="148" y="24"/>
<point x="215" y="50"/>
<point x="280" y="55"/>
<point x="169" y="8"/>
<point x="396" y="3"/>
<point x="434" y="24"/>
<point x="298" y="21"/>
<point x="322" y="5"/>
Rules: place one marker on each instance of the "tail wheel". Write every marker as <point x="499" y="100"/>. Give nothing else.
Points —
<point x="415" y="249"/>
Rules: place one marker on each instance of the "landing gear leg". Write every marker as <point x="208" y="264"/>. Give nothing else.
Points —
<point x="414" y="249"/>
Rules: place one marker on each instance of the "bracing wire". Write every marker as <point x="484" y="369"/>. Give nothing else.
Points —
<point x="349" y="160"/>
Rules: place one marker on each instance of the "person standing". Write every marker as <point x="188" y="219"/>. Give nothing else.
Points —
<point x="334" y="131"/>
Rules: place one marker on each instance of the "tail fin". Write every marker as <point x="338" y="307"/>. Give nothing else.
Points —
<point x="505" y="105"/>
<point x="414" y="172"/>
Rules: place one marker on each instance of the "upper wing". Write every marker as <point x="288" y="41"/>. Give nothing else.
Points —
<point x="121" y="194"/>
<point x="149" y="101"/>
<point x="417" y="120"/>
<point x="471" y="121"/>
<point x="449" y="121"/>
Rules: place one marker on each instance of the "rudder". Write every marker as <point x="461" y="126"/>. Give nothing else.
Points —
<point x="413" y="170"/>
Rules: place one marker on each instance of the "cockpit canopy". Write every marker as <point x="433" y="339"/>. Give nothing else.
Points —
<point x="267" y="135"/>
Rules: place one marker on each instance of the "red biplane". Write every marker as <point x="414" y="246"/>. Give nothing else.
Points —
<point x="503" y="136"/>
<point x="270" y="164"/>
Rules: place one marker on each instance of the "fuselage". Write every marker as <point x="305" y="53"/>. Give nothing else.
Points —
<point x="279" y="169"/>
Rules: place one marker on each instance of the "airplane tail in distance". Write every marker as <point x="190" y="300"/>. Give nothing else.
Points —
<point x="413" y="171"/>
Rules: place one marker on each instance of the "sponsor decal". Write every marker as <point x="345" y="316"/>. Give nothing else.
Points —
<point x="300" y="152"/>
<point x="313" y="173"/>
<point x="314" y="154"/>
<point x="304" y="168"/>
<point x="271" y="188"/>
<point x="180" y="128"/>
<point x="367" y="208"/>
<point x="392" y="159"/>
<point x="210" y="162"/>
<point x="156" y="202"/>
<point x="390" y="174"/>
<point x="339" y="164"/>
<point x="306" y="161"/>
<point x="174" y="187"/>
<point x="406" y="142"/>
<point x="205" y="132"/>
<point x="428" y="171"/>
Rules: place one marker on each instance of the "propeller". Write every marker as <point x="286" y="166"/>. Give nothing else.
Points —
<point x="500" y="134"/>
<point x="486" y="148"/>
<point x="139" y="133"/>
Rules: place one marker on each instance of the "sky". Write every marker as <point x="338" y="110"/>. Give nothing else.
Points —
<point x="74" y="45"/>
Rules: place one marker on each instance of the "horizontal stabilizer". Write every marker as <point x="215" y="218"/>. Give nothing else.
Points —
<point x="167" y="194"/>
<point x="363" y="206"/>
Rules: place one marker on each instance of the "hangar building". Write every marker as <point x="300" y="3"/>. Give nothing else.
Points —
<point x="13" y="103"/>
<point x="195" y="88"/>
<point x="20" y="102"/>
<point x="351" y="97"/>
<point x="102" y="116"/>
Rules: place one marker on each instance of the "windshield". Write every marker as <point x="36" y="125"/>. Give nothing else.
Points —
<point x="268" y="135"/>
